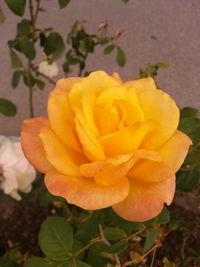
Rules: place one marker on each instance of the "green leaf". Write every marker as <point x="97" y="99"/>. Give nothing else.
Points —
<point x="114" y="233"/>
<point x="77" y="245"/>
<point x="2" y="17"/>
<point x="46" y="199"/>
<point x="23" y="28"/>
<point x="164" y="216"/>
<point x="121" y="58"/>
<point x="150" y="239"/>
<point x="15" y="78"/>
<point x="89" y="45"/>
<point x="54" y="45"/>
<point x="187" y="180"/>
<point x="7" y="107"/>
<point x="76" y="263"/>
<point x="191" y="127"/>
<point x="63" y="3"/>
<point x="125" y="1"/>
<point x="109" y="49"/>
<point x="118" y="247"/>
<point x="94" y="255"/>
<point x="162" y="65"/>
<point x="15" y="60"/>
<point x="6" y="263"/>
<point x="56" y="238"/>
<point x="89" y="229"/>
<point x="27" y="48"/>
<point x="188" y="112"/>
<point x="39" y="262"/>
<point x="40" y="84"/>
<point x="124" y="224"/>
<point x="29" y="79"/>
<point x="16" y="6"/>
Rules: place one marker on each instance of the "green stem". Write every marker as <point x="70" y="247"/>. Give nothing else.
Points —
<point x="36" y="12"/>
<point x="94" y="241"/>
<point x="46" y="77"/>
<point x="31" y="102"/>
<point x="31" y="10"/>
<point x="153" y="257"/>
<point x="135" y="234"/>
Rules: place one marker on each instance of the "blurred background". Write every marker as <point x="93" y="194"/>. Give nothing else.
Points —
<point x="154" y="31"/>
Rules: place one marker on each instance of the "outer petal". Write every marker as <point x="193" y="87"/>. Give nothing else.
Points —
<point x="64" y="159"/>
<point x="173" y="153"/>
<point x="160" y="108"/>
<point x="112" y="170"/>
<point x="85" y="193"/>
<point x="126" y="140"/>
<point x="146" y="200"/>
<point x="141" y="84"/>
<point x="32" y="145"/>
<point x="61" y="118"/>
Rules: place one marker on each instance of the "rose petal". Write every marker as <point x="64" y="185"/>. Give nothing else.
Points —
<point x="146" y="200"/>
<point x="61" y="118"/>
<point x="140" y="85"/>
<point x="112" y="173"/>
<point x="106" y="118"/>
<point x="84" y="192"/>
<point x="64" y="85"/>
<point x="173" y="153"/>
<point x="90" y="169"/>
<point x="96" y="82"/>
<point x="126" y="140"/>
<point x="160" y="108"/>
<point x="91" y="145"/>
<point x="32" y="145"/>
<point x="117" y="77"/>
<point x="64" y="159"/>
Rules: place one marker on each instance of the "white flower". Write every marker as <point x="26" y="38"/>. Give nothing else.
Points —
<point x="50" y="70"/>
<point x="16" y="173"/>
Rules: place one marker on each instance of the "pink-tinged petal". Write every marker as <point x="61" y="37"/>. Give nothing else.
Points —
<point x="116" y="76"/>
<point x="173" y="153"/>
<point x="84" y="192"/>
<point x="111" y="174"/>
<point x="111" y="170"/>
<point x="90" y="169"/>
<point x="32" y="145"/>
<point x="64" y="159"/>
<point x="126" y="140"/>
<point x="64" y="85"/>
<point x="146" y="200"/>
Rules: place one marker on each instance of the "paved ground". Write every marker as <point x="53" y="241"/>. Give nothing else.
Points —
<point x="155" y="30"/>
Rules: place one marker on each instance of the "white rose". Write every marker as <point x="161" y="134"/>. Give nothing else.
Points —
<point x="16" y="173"/>
<point x="50" y="70"/>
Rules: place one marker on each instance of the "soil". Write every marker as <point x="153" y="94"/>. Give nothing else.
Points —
<point x="20" y="223"/>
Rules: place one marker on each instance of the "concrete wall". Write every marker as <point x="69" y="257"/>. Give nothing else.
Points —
<point x="155" y="30"/>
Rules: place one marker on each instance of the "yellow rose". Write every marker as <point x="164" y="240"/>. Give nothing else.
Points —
<point x="108" y="143"/>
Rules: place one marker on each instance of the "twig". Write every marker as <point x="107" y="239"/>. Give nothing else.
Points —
<point x="137" y="233"/>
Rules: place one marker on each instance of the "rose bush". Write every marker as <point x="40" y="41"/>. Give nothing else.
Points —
<point x="108" y="143"/>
